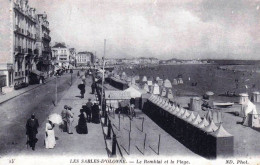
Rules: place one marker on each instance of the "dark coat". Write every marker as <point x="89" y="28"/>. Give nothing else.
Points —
<point x="32" y="127"/>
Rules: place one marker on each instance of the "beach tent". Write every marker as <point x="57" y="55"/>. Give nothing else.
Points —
<point x="156" y="89"/>
<point x="137" y="78"/>
<point x="134" y="92"/>
<point x="169" y="94"/>
<point x="163" y="93"/>
<point x="160" y="82"/>
<point x="144" y="79"/>
<point x="197" y="120"/>
<point x="157" y="78"/>
<point x="180" y="81"/>
<point x="256" y="97"/>
<point x="175" y="82"/>
<point x="146" y="87"/>
<point x="221" y="132"/>
<point x="211" y="127"/>
<point x="149" y="83"/>
<point x="204" y="123"/>
<point x="243" y="98"/>
<point x="185" y="114"/>
<point x="191" y="117"/>
<point x="123" y="76"/>
<point x="133" y="80"/>
<point x="167" y="84"/>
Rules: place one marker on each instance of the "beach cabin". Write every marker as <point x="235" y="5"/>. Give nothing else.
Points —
<point x="167" y="84"/>
<point x="157" y="78"/>
<point x="195" y="104"/>
<point x="256" y="97"/>
<point x="133" y="80"/>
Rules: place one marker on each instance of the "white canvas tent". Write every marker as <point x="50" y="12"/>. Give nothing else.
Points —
<point x="163" y="93"/>
<point x="146" y="88"/>
<point x="144" y="79"/>
<point x="135" y="91"/>
<point x="169" y="94"/>
<point x="156" y="89"/>
<point x="149" y="83"/>
<point x="167" y="84"/>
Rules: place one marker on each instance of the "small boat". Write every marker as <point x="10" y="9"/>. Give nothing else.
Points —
<point x="223" y="105"/>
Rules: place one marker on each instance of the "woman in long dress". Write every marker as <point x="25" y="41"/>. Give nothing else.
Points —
<point x="49" y="135"/>
<point x="82" y="127"/>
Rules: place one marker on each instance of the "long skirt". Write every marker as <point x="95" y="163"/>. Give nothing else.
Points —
<point x="50" y="141"/>
<point x="69" y="126"/>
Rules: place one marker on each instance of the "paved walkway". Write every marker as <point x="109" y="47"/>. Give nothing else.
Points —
<point x="73" y="144"/>
<point x="15" y="93"/>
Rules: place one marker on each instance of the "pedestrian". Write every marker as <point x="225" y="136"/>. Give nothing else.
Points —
<point x="82" y="127"/>
<point x="70" y="119"/>
<point x="31" y="131"/>
<point x="82" y="89"/>
<point x="89" y="105"/>
<point x="50" y="141"/>
<point x="95" y="113"/>
<point x="93" y="86"/>
<point x="64" y="118"/>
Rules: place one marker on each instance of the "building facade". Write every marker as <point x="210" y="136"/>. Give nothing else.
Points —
<point x="61" y="54"/>
<point x="84" y="58"/>
<point x="19" y="60"/>
<point x="73" y="54"/>
<point x="19" y="53"/>
<point x="43" y="39"/>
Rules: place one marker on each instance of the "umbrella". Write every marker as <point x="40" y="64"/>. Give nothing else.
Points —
<point x="55" y="118"/>
<point x="209" y="93"/>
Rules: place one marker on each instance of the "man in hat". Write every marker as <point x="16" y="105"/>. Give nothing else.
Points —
<point x="69" y="118"/>
<point x="89" y="109"/>
<point x="31" y="131"/>
<point x="64" y="118"/>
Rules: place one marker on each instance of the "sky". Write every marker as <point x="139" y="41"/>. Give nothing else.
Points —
<point x="165" y="29"/>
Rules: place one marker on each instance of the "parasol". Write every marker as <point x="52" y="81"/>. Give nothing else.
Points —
<point x="55" y="118"/>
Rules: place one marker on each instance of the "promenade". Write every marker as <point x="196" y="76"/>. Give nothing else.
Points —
<point x="66" y="144"/>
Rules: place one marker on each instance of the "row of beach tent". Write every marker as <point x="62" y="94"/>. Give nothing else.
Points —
<point x="150" y="81"/>
<point x="188" y="116"/>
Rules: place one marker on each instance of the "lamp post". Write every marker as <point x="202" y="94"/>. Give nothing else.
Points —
<point x="103" y="77"/>
<point x="56" y="91"/>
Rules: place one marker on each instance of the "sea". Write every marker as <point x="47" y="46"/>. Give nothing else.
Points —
<point x="208" y="77"/>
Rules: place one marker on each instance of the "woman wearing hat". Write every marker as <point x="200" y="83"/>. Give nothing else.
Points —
<point x="50" y="141"/>
<point x="69" y="117"/>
